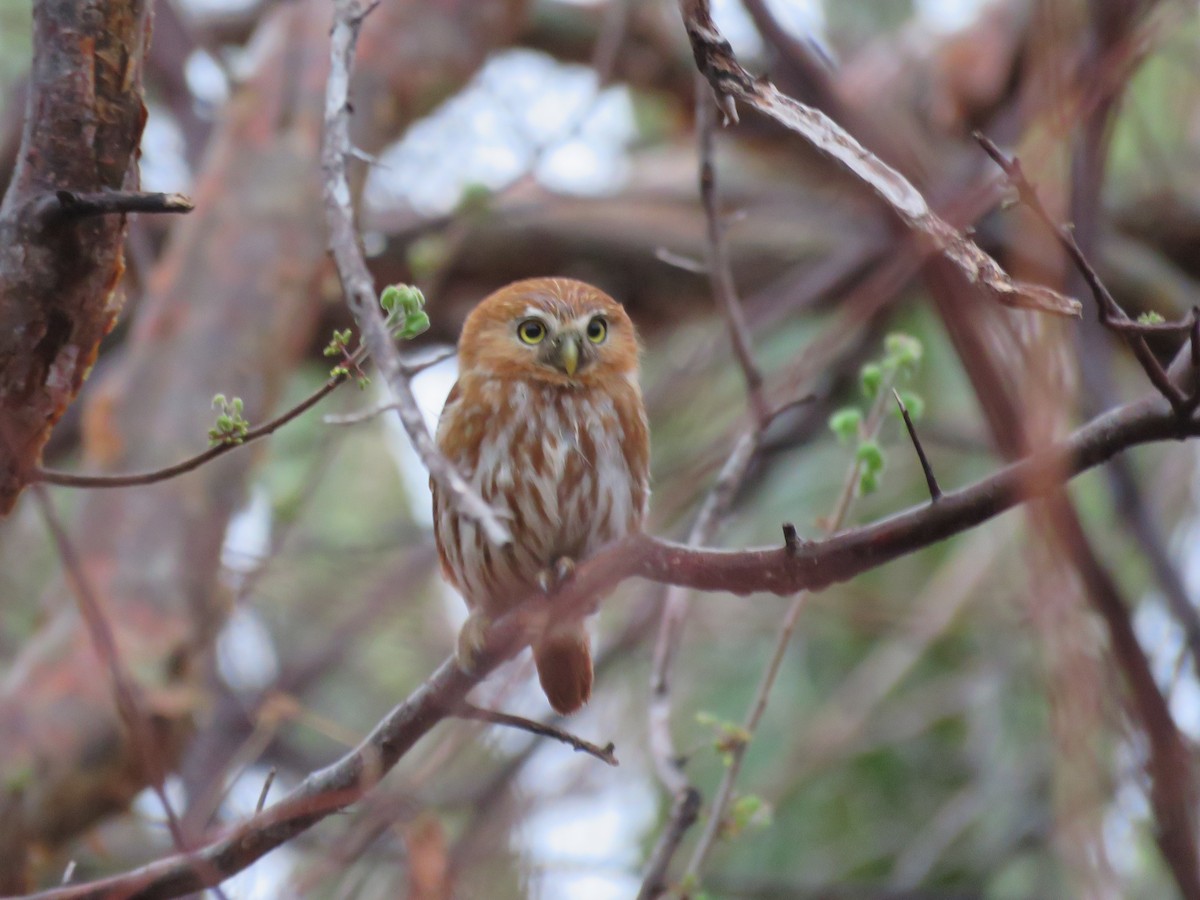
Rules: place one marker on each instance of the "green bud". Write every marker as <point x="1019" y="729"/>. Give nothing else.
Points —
<point x="914" y="402"/>
<point x="871" y="379"/>
<point x="1150" y="318"/>
<point x="414" y="324"/>
<point x="870" y="455"/>
<point x="904" y="348"/>
<point x="868" y="483"/>
<point x="845" y="422"/>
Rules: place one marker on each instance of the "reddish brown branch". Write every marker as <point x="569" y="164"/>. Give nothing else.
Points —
<point x="781" y="570"/>
<point x="57" y="284"/>
<point x="1109" y="311"/>
<point x="70" y="479"/>
<point x="720" y="272"/>
<point x="731" y="84"/>
<point x="606" y="754"/>
<point x="126" y="692"/>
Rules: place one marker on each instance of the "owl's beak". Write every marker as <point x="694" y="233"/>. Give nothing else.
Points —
<point x="566" y="353"/>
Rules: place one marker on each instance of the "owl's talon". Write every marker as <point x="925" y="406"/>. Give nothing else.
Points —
<point x="564" y="568"/>
<point x="472" y="638"/>
<point x="552" y="576"/>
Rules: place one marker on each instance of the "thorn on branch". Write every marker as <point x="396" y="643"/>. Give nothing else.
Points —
<point x="935" y="491"/>
<point x="62" y="205"/>
<point x="266" y="788"/>
<point x="791" y="540"/>
<point x="606" y="754"/>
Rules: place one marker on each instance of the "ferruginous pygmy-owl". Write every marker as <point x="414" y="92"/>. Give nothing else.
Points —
<point x="547" y="423"/>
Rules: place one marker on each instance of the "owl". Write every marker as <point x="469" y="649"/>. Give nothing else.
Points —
<point x="546" y="422"/>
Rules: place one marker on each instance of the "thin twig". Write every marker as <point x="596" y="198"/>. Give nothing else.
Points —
<point x="935" y="490"/>
<point x="684" y="812"/>
<point x="358" y="285"/>
<point x="730" y="82"/>
<point x="365" y="415"/>
<point x="1109" y="311"/>
<point x="720" y="271"/>
<point x="667" y="761"/>
<point x="126" y="692"/>
<point x="62" y="205"/>
<point x="606" y="754"/>
<point x="716" y="816"/>
<point x="74" y="480"/>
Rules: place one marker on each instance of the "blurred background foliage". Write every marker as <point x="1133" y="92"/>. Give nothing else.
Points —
<point x="910" y="748"/>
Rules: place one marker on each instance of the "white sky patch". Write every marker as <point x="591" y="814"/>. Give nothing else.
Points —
<point x="246" y="657"/>
<point x="584" y="847"/>
<point x="209" y="8"/>
<point x="948" y="15"/>
<point x="148" y="805"/>
<point x="205" y="79"/>
<point x="802" y="18"/>
<point x="522" y="110"/>
<point x="163" y="164"/>
<point x="430" y="387"/>
<point x="735" y="23"/>
<point x="248" y="536"/>
<point x="268" y="878"/>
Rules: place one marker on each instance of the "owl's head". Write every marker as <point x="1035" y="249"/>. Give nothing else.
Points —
<point x="554" y="330"/>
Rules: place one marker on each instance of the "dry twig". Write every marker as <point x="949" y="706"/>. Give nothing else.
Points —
<point x="732" y="83"/>
<point x="356" y="279"/>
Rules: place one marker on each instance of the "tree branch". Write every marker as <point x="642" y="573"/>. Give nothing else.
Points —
<point x="781" y="570"/>
<point x="357" y="283"/>
<point x="63" y="205"/>
<point x="730" y="83"/>
<point x="59" y="279"/>
<point x="1109" y="311"/>
<point x="606" y="754"/>
<point x="133" y="479"/>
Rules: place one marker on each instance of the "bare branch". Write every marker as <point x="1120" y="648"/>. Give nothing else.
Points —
<point x="605" y="754"/>
<point x="71" y="479"/>
<point x="720" y="273"/>
<point x="77" y="205"/>
<point x="127" y="694"/>
<point x="811" y="566"/>
<point x="684" y="812"/>
<point x="1110" y="312"/>
<point x="356" y="279"/>
<point x="730" y="82"/>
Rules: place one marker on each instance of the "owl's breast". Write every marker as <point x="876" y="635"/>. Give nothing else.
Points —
<point x="553" y="460"/>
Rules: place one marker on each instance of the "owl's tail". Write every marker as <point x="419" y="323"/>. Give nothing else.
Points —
<point x="564" y="665"/>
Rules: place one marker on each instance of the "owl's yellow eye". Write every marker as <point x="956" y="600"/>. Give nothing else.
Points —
<point x="531" y="331"/>
<point x="597" y="330"/>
